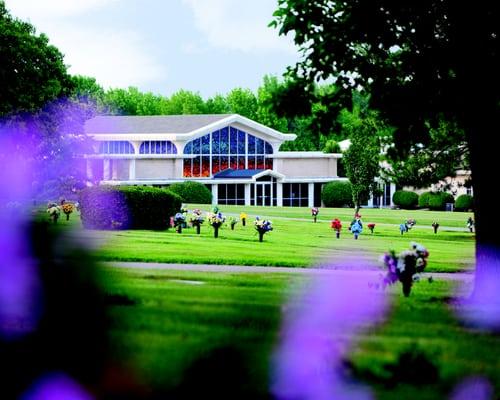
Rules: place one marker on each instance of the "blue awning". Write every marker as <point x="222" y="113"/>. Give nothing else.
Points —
<point x="237" y="173"/>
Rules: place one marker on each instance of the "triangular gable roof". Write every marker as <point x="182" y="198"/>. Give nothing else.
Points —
<point x="182" y="127"/>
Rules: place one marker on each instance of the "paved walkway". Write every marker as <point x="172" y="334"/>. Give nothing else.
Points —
<point x="459" y="276"/>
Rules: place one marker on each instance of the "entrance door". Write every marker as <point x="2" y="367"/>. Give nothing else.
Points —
<point x="263" y="194"/>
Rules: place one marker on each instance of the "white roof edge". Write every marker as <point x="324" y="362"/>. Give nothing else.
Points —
<point x="266" y="173"/>
<point x="193" y="134"/>
<point x="306" y="154"/>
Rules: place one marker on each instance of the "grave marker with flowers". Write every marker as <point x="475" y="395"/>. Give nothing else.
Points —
<point x="232" y="221"/>
<point x="196" y="219"/>
<point x="216" y="221"/>
<point x="262" y="226"/>
<point x="243" y="217"/>
<point x="336" y="226"/>
<point x="314" y="213"/>
<point x="67" y="209"/>
<point x="54" y="212"/>
<point x="405" y="266"/>
<point x="371" y="227"/>
<point x="179" y="221"/>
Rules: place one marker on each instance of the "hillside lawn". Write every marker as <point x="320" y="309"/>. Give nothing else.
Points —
<point x="175" y="322"/>
<point x="298" y="242"/>
<point x="174" y="325"/>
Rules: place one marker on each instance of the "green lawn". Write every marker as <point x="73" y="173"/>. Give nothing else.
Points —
<point x="296" y="241"/>
<point x="180" y="321"/>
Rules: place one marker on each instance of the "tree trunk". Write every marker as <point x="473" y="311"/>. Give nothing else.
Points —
<point x="216" y="231"/>
<point x="261" y="236"/>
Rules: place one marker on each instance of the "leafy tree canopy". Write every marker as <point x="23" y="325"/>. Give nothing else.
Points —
<point x="32" y="72"/>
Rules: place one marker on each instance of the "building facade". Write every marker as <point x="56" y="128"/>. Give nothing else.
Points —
<point x="237" y="158"/>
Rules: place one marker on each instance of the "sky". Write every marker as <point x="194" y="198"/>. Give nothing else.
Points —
<point x="205" y="46"/>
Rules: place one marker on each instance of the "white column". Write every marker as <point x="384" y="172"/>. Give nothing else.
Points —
<point x="114" y="169"/>
<point x="90" y="173"/>
<point x="370" y="201"/>
<point x="215" y="193"/>
<point x="393" y="189"/>
<point x="310" y="198"/>
<point x="279" y="194"/>
<point x="178" y="168"/>
<point x="247" y="194"/>
<point x="131" y="170"/>
<point x="106" y="173"/>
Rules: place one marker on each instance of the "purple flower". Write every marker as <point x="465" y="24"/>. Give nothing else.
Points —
<point x="318" y="331"/>
<point x="56" y="386"/>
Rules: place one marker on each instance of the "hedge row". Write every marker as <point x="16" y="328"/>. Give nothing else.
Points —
<point x="405" y="199"/>
<point x="127" y="207"/>
<point x="192" y="192"/>
<point x="464" y="202"/>
<point x="435" y="200"/>
<point x="337" y="194"/>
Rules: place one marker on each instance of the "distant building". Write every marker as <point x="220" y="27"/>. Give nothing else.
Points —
<point x="237" y="158"/>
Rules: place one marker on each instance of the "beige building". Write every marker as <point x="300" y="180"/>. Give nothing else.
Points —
<point x="237" y="158"/>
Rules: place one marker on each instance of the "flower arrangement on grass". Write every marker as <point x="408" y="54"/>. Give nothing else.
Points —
<point x="243" y="218"/>
<point x="67" y="209"/>
<point x="371" y="227"/>
<point x="407" y="225"/>
<point x="314" y="213"/>
<point x="232" y="221"/>
<point x="215" y="220"/>
<point x="435" y="226"/>
<point x="196" y="219"/>
<point x="336" y="226"/>
<point x="179" y="221"/>
<point x="262" y="226"/>
<point x="405" y="266"/>
<point x="54" y="212"/>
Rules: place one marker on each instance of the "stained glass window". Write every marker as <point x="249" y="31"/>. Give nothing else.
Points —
<point x="226" y="148"/>
<point x="158" y="147"/>
<point x="116" y="147"/>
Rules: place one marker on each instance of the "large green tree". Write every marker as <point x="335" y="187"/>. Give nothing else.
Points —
<point x="32" y="72"/>
<point x="362" y="159"/>
<point x="423" y="61"/>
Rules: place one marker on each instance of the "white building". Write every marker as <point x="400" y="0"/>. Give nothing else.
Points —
<point x="237" y="158"/>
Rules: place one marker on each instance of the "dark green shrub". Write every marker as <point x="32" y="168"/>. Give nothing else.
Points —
<point x="464" y="202"/>
<point x="437" y="201"/>
<point x="192" y="192"/>
<point x="405" y="199"/>
<point x="423" y="199"/>
<point x="337" y="194"/>
<point x="127" y="207"/>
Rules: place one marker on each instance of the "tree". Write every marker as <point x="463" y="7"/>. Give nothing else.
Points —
<point x="243" y="102"/>
<point x="32" y="72"/>
<point x="422" y="62"/>
<point x="445" y="153"/>
<point x="362" y="158"/>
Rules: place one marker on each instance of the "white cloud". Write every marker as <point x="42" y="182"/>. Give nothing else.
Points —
<point x="52" y="9"/>
<point x="116" y="58"/>
<point x="239" y="25"/>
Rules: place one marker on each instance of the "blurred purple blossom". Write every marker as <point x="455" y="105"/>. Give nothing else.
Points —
<point x="56" y="386"/>
<point x="20" y="294"/>
<point x="482" y="308"/>
<point x="475" y="388"/>
<point x="319" y="329"/>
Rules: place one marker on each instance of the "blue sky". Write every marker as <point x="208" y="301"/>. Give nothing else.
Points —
<point x="206" y="46"/>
